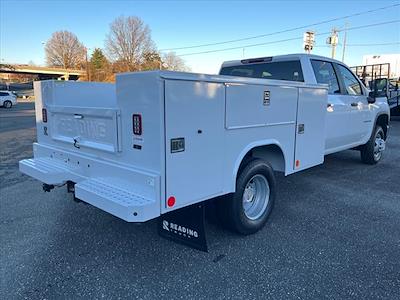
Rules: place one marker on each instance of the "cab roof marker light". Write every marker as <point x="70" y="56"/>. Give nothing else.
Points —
<point x="256" y="60"/>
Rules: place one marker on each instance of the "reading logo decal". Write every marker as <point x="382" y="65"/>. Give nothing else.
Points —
<point x="165" y="225"/>
<point x="178" y="229"/>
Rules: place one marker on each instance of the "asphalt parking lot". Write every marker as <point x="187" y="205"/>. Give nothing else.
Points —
<point x="334" y="233"/>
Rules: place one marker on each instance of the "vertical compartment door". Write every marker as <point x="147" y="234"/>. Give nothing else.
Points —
<point x="194" y="116"/>
<point x="310" y="128"/>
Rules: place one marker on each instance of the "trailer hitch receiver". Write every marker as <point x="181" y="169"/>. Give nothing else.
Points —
<point x="47" y="187"/>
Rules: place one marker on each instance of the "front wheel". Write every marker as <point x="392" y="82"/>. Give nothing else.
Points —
<point x="248" y="209"/>
<point x="371" y="152"/>
<point x="7" y="104"/>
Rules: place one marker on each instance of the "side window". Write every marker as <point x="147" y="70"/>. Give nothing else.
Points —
<point x="324" y="73"/>
<point x="351" y="83"/>
<point x="280" y="70"/>
<point x="3" y="94"/>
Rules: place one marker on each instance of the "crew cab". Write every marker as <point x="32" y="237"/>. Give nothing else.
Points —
<point x="160" y="141"/>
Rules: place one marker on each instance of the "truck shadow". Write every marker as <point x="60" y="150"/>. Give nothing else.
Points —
<point x="395" y="118"/>
<point x="87" y="247"/>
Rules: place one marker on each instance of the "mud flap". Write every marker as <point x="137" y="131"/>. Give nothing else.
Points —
<point x="185" y="226"/>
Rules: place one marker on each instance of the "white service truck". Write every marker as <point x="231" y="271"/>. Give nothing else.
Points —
<point x="159" y="141"/>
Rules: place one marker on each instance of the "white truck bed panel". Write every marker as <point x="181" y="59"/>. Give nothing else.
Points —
<point x="196" y="129"/>
<point x="96" y="128"/>
<point x="195" y="173"/>
<point x="245" y="105"/>
<point x="311" y="111"/>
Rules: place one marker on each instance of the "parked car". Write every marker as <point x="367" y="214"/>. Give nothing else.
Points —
<point x="7" y="99"/>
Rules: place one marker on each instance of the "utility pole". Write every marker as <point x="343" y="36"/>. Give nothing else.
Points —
<point x="333" y="41"/>
<point x="308" y="41"/>
<point x="344" y="41"/>
<point x="87" y="65"/>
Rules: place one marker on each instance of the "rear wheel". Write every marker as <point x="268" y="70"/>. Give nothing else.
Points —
<point x="371" y="152"/>
<point x="247" y="210"/>
<point x="7" y="104"/>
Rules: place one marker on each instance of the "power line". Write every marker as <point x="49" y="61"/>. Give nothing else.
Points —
<point x="363" y="45"/>
<point x="378" y="44"/>
<point x="282" y="31"/>
<point x="286" y="40"/>
<point x="240" y="47"/>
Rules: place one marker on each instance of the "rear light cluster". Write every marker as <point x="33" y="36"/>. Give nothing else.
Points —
<point x="137" y="124"/>
<point x="44" y="115"/>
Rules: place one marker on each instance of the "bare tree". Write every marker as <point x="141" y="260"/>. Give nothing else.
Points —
<point x="128" y="42"/>
<point x="64" y="49"/>
<point x="173" y="62"/>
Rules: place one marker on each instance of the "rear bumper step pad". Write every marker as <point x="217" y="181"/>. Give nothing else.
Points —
<point x="115" y="200"/>
<point x="46" y="169"/>
<point x="112" y="195"/>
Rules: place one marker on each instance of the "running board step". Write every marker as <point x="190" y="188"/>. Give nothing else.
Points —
<point x="110" y="196"/>
<point x="47" y="170"/>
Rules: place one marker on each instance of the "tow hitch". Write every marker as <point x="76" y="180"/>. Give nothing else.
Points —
<point x="71" y="189"/>
<point x="47" y="187"/>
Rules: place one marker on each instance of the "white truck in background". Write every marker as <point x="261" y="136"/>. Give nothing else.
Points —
<point x="159" y="141"/>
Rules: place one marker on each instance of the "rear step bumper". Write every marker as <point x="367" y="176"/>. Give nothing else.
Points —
<point x="116" y="201"/>
<point x="131" y="195"/>
<point x="46" y="170"/>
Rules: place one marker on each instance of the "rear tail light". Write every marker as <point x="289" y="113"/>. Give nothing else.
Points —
<point x="137" y="124"/>
<point x="44" y="115"/>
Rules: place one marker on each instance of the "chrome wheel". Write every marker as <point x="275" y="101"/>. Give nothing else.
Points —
<point x="379" y="144"/>
<point x="256" y="197"/>
<point x="7" y="104"/>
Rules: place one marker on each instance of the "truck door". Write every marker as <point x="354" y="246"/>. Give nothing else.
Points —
<point x="194" y="121"/>
<point x="337" y="117"/>
<point x="360" y="117"/>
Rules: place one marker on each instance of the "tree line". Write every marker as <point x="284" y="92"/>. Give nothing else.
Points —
<point x="128" y="47"/>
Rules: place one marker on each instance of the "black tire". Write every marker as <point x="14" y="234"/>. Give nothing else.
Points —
<point x="7" y="104"/>
<point x="231" y="208"/>
<point x="369" y="154"/>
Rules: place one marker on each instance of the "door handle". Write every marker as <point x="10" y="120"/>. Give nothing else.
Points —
<point x="354" y="104"/>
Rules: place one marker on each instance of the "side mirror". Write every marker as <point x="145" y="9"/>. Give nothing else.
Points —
<point x="371" y="97"/>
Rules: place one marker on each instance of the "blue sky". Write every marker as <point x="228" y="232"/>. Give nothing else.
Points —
<point x="24" y="25"/>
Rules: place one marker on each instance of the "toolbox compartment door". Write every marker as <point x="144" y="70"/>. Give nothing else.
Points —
<point x="86" y="127"/>
<point x="310" y="128"/>
<point x="194" y="116"/>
